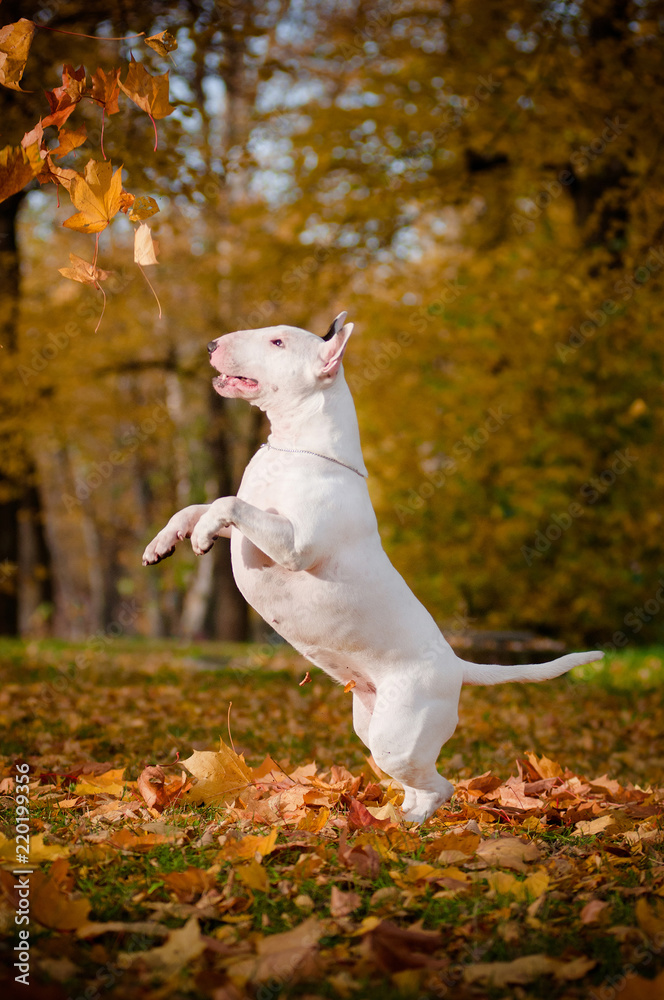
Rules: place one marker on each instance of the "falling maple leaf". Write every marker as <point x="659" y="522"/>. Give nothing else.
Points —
<point x="63" y="100"/>
<point x="149" y="93"/>
<point x="97" y="196"/>
<point x="15" y="42"/>
<point x="142" y="208"/>
<point x="18" y="166"/>
<point x="163" y="43"/>
<point x="69" y="139"/>
<point x="105" y="89"/>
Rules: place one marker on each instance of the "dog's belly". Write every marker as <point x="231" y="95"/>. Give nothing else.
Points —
<point x="355" y="620"/>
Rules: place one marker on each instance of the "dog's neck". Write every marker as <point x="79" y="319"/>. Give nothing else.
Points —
<point x="324" y="423"/>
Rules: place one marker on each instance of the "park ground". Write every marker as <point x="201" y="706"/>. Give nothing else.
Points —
<point x="275" y="865"/>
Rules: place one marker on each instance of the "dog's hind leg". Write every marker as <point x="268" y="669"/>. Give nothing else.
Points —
<point x="363" y="706"/>
<point x="405" y="741"/>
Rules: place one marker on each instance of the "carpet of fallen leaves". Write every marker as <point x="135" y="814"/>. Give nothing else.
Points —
<point x="175" y="857"/>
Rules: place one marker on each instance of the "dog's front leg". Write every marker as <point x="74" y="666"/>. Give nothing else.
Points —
<point x="178" y="528"/>
<point x="273" y="534"/>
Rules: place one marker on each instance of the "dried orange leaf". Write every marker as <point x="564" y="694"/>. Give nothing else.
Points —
<point x="349" y="686"/>
<point x="35" y="135"/>
<point x="64" y="99"/>
<point x="53" y="907"/>
<point x="106" y="89"/>
<point x="163" y="43"/>
<point x="18" y="166"/>
<point x="69" y="139"/>
<point x="142" y="208"/>
<point x="97" y="195"/>
<point x="15" y="42"/>
<point x="149" y="93"/>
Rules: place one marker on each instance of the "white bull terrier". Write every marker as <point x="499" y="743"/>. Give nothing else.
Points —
<point x="307" y="555"/>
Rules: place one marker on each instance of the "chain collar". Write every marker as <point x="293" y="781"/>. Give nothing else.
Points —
<point x="303" y="451"/>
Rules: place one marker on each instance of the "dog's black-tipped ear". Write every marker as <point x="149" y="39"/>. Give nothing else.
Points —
<point x="336" y="326"/>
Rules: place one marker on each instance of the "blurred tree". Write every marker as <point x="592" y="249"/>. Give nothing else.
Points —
<point x="481" y="185"/>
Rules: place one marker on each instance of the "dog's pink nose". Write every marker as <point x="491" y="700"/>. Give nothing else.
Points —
<point x="212" y="346"/>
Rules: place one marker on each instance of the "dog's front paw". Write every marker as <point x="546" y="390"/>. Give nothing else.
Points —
<point x="209" y="528"/>
<point x="179" y="527"/>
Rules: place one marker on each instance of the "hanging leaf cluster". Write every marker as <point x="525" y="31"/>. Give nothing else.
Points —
<point x="97" y="192"/>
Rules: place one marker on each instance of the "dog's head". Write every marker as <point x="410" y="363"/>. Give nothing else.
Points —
<point x="278" y="362"/>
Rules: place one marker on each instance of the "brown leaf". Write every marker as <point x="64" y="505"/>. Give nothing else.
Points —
<point x="395" y="948"/>
<point x="97" y="197"/>
<point x="282" y="956"/>
<point x="149" y="93"/>
<point x="526" y="969"/>
<point x="592" y="910"/>
<point x="106" y="89"/>
<point x="18" y="166"/>
<point x="508" y="852"/>
<point x="15" y="42"/>
<point x="359" y="817"/>
<point x="650" y="917"/>
<point x="189" y="885"/>
<point x="163" y="43"/>
<point x="87" y="274"/>
<point x="156" y="791"/>
<point x="53" y="907"/>
<point x="342" y="904"/>
<point x="638" y="988"/>
<point x="363" y="858"/>
<point x="63" y="100"/>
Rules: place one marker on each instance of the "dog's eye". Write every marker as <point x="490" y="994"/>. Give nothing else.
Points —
<point x="277" y="343"/>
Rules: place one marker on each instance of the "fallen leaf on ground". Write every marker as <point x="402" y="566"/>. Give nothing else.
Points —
<point x="526" y="969"/>
<point x="396" y="948"/>
<point x="221" y="775"/>
<point x="342" y="904"/>
<point x="508" y="852"/>
<point x="180" y="948"/>
<point x="52" y="907"/>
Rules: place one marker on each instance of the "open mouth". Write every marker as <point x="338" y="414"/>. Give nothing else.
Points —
<point x="223" y="381"/>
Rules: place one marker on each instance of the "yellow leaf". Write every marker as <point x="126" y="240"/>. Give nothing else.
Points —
<point x="526" y="969"/>
<point x="181" y="947"/>
<point x="163" y="43"/>
<point x="221" y="776"/>
<point x="18" y="165"/>
<point x="249" y="846"/>
<point x="254" y="876"/>
<point x="142" y="208"/>
<point x="97" y="196"/>
<point x="314" y="820"/>
<point x="650" y="918"/>
<point x="87" y="274"/>
<point x="149" y="93"/>
<point x="508" y="852"/>
<point x="110" y="782"/>
<point x="589" y="827"/>
<point x="15" y="41"/>
<point x="52" y="907"/>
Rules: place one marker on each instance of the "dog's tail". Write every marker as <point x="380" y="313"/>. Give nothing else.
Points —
<point x="494" y="673"/>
